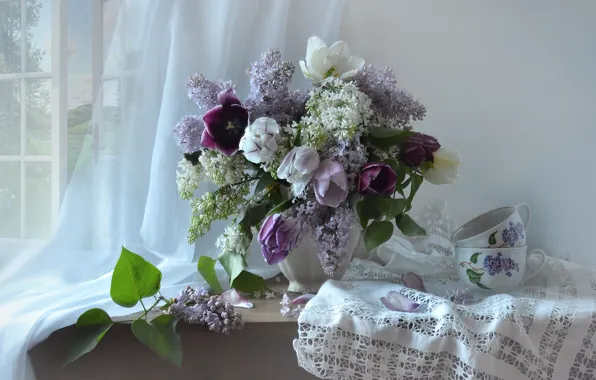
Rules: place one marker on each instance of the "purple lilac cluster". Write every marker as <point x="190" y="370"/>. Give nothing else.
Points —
<point x="497" y="264"/>
<point x="330" y="229"/>
<point x="270" y="95"/>
<point x="513" y="233"/>
<point x="388" y="101"/>
<point x="352" y="155"/>
<point x="204" y="92"/>
<point x="188" y="133"/>
<point x="197" y="306"/>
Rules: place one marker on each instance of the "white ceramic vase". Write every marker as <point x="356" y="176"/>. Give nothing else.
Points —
<point x="303" y="268"/>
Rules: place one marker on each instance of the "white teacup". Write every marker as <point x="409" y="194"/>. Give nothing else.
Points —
<point x="502" y="227"/>
<point x="495" y="269"/>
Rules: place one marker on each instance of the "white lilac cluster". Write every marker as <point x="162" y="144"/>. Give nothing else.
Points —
<point x="197" y="306"/>
<point x="222" y="169"/>
<point x="188" y="178"/>
<point x="288" y="309"/>
<point x="233" y="240"/>
<point x="337" y="109"/>
<point x="216" y="205"/>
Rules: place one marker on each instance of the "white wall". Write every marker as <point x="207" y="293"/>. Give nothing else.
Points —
<point x="512" y="85"/>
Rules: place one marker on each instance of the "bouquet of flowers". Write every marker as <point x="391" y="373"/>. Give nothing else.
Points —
<point x="293" y="164"/>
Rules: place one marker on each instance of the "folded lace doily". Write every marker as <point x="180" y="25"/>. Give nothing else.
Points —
<point x="545" y="330"/>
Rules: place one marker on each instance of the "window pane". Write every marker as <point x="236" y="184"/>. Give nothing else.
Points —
<point x="38" y="200"/>
<point x="10" y="117"/>
<point x="111" y="116"/>
<point x="10" y="196"/>
<point x="39" y="122"/>
<point x="10" y="36"/>
<point x="39" y="36"/>
<point x="112" y="47"/>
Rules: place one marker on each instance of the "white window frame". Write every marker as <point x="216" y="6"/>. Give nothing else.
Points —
<point x="59" y="112"/>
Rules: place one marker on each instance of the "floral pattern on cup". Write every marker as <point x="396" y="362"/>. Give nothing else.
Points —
<point x="492" y="265"/>
<point x="510" y="235"/>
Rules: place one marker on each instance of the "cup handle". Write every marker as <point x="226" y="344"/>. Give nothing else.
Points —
<point x="538" y="252"/>
<point x="527" y="215"/>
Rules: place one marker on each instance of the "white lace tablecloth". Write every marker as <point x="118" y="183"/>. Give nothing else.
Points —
<point x="545" y="330"/>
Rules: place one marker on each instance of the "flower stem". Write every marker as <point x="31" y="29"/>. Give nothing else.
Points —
<point x="470" y="265"/>
<point x="150" y="308"/>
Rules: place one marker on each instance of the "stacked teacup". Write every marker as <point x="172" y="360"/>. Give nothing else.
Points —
<point x="491" y="252"/>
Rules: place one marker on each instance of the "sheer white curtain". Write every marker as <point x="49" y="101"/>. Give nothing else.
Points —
<point x="123" y="190"/>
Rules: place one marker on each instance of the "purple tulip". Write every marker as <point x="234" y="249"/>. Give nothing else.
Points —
<point x="376" y="178"/>
<point x="418" y="149"/>
<point x="225" y="124"/>
<point x="278" y="236"/>
<point x="330" y="183"/>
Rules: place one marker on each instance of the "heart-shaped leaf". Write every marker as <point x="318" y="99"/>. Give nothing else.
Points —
<point x="91" y="327"/>
<point x="474" y="258"/>
<point x="473" y="276"/>
<point x="233" y="263"/>
<point x="377" y="233"/>
<point x="206" y="268"/>
<point x="249" y="283"/>
<point x="161" y="337"/>
<point x="408" y="226"/>
<point x="492" y="239"/>
<point x="134" y="278"/>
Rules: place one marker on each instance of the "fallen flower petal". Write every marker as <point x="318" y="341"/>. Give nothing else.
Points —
<point x="235" y="299"/>
<point x="413" y="281"/>
<point x="398" y="302"/>
<point x="303" y="299"/>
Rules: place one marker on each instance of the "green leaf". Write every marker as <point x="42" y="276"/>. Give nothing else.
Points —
<point x="377" y="233"/>
<point x="206" y="268"/>
<point x="408" y="226"/>
<point x="401" y="172"/>
<point x="161" y="337"/>
<point x="134" y="278"/>
<point x="247" y="282"/>
<point x="253" y="216"/>
<point x="473" y="276"/>
<point x="415" y="182"/>
<point x="388" y="137"/>
<point x="394" y="165"/>
<point x="372" y="207"/>
<point x="298" y="138"/>
<point x="265" y="180"/>
<point x="233" y="263"/>
<point x="474" y="258"/>
<point x="91" y="327"/>
<point x="482" y="286"/>
<point x="280" y="207"/>
<point x="492" y="239"/>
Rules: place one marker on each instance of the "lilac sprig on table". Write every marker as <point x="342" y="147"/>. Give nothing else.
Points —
<point x="322" y="161"/>
<point x="197" y="306"/>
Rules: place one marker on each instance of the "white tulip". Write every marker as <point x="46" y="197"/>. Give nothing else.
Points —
<point x="335" y="61"/>
<point x="258" y="143"/>
<point x="298" y="167"/>
<point x="445" y="168"/>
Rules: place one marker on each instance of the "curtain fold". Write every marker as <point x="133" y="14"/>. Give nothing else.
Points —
<point x="123" y="191"/>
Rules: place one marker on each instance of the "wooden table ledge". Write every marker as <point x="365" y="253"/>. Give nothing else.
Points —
<point x="264" y="310"/>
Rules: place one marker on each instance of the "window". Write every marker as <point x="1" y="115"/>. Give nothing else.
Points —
<point x="52" y="56"/>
